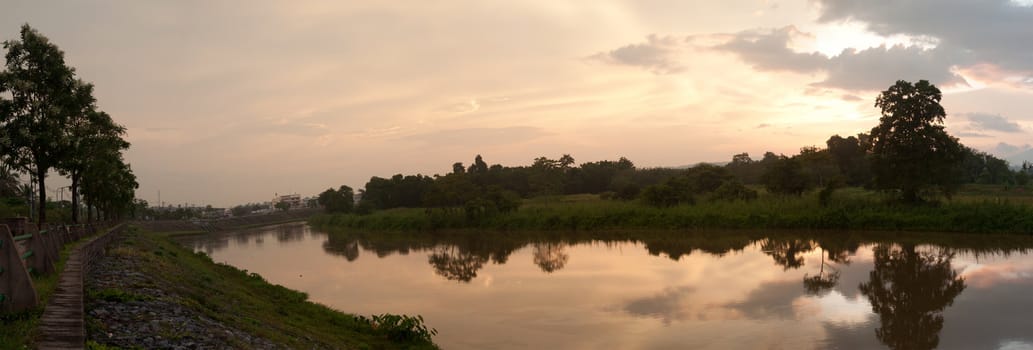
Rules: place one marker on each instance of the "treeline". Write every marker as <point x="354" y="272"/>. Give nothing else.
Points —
<point x="484" y="189"/>
<point x="908" y="155"/>
<point x="848" y="161"/>
<point x="49" y="120"/>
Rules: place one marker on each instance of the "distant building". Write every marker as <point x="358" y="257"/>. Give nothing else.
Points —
<point x="214" y="213"/>
<point x="294" y="200"/>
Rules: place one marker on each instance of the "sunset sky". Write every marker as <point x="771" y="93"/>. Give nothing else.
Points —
<point x="228" y="102"/>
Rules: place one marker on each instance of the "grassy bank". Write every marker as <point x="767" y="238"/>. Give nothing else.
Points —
<point x="245" y="301"/>
<point x="853" y="209"/>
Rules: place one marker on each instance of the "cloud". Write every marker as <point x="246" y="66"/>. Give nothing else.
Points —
<point x="970" y="134"/>
<point x="1006" y="149"/>
<point x="871" y="69"/>
<point x="865" y="70"/>
<point x="851" y="98"/>
<point x="878" y="67"/>
<point x="769" y="50"/>
<point x="992" y="122"/>
<point x="771" y="300"/>
<point x="666" y="305"/>
<point x="658" y="54"/>
<point x="991" y="34"/>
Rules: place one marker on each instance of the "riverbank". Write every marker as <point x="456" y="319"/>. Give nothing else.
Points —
<point x="851" y="209"/>
<point x="190" y="227"/>
<point x="151" y="292"/>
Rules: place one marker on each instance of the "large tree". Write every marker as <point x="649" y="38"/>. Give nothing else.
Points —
<point x="36" y="92"/>
<point x="90" y="134"/>
<point x="911" y="150"/>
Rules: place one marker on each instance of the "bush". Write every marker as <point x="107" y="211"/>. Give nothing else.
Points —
<point x="733" y="190"/>
<point x="663" y="195"/>
<point x="400" y="327"/>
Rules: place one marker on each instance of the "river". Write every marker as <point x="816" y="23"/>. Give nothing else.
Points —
<point x="673" y="290"/>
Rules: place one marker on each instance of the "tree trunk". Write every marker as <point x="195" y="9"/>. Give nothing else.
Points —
<point x="41" y="180"/>
<point x="75" y="198"/>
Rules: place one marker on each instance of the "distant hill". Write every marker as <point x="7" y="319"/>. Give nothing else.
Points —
<point x="692" y="165"/>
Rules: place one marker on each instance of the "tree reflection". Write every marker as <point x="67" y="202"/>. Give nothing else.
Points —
<point x="453" y="264"/>
<point x="348" y="249"/>
<point x="787" y="252"/>
<point x="289" y="233"/>
<point x="821" y="283"/>
<point x="909" y="291"/>
<point x="550" y="256"/>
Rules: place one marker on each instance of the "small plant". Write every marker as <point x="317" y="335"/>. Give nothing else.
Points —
<point x="400" y="327"/>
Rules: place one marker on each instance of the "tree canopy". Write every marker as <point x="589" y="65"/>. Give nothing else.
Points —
<point x="50" y="121"/>
<point x="911" y="151"/>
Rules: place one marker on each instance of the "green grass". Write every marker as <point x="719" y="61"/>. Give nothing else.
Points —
<point x="243" y="300"/>
<point x="975" y="209"/>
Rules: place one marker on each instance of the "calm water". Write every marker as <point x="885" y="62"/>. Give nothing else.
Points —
<point x="663" y="291"/>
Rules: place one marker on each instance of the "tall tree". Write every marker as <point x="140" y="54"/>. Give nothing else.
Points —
<point x="90" y="134"/>
<point x="911" y="150"/>
<point x="40" y="88"/>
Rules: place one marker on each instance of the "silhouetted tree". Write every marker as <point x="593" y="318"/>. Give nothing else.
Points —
<point x="33" y="119"/>
<point x="785" y="176"/>
<point x="341" y="200"/>
<point x="911" y="150"/>
<point x="851" y="159"/>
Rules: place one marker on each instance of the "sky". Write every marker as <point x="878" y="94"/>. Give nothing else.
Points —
<point x="229" y="102"/>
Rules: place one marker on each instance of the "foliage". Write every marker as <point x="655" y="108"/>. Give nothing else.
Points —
<point x="785" y="176"/>
<point x="341" y="200"/>
<point x="400" y="327"/>
<point x="282" y="206"/>
<point x="732" y="190"/>
<point x="911" y="150"/>
<point x="40" y="87"/>
<point x="974" y="209"/>
<point x="398" y="191"/>
<point x="851" y="157"/>
<point x="49" y="120"/>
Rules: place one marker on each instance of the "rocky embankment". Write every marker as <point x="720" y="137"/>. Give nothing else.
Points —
<point x="150" y="292"/>
<point x="128" y="308"/>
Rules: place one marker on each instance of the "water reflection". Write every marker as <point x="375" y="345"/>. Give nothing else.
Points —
<point x="550" y="257"/>
<point x="454" y="264"/>
<point x="787" y="252"/>
<point x="676" y="289"/>
<point x="823" y="282"/>
<point x="909" y="290"/>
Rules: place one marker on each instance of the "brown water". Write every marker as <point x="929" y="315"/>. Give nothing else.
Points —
<point x="660" y="290"/>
